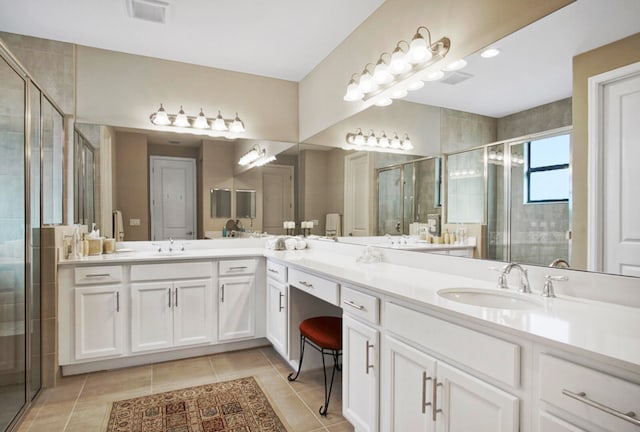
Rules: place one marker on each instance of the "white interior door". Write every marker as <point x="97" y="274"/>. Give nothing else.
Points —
<point x="173" y="191"/>
<point x="277" y="196"/>
<point x="614" y="246"/>
<point x="357" y="175"/>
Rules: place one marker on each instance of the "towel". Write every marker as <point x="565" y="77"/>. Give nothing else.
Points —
<point x="118" y="227"/>
<point x="333" y="226"/>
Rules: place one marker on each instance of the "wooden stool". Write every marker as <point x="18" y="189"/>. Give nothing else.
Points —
<point x="323" y="333"/>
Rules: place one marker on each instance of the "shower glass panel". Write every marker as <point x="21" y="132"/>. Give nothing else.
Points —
<point x="408" y="202"/>
<point x="538" y="230"/>
<point x="12" y="245"/>
<point x="497" y="244"/>
<point x="465" y="187"/>
<point x="52" y="154"/>
<point x="389" y="205"/>
<point x="34" y="246"/>
<point x="427" y="189"/>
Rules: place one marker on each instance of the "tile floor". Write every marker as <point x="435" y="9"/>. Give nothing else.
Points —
<point x="82" y="403"/>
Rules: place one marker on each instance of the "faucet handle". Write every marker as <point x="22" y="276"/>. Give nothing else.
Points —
<point x="159" y="246"/>
<point x="502" y="277"/>
<point x="547" y="290"/>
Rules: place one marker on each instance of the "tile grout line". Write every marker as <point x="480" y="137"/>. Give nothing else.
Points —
<point x="75" y="403"/>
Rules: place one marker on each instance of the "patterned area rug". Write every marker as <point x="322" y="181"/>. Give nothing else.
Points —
<point x="237" y="405"/>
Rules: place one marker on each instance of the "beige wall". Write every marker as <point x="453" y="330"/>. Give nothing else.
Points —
<point x="217" y="172"/>
<point x="600" y="60"/>
<point x="313" y="183"/>
<point x="123" y="90"/>
<point x="471" y="25"/>
<point x="132" y="183"/>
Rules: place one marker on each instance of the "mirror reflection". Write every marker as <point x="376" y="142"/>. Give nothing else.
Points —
<point x="220" y="203"/>
<point x="245" y="203"/>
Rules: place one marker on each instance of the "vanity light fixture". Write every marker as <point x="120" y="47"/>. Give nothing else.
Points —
<point x="200" y="122"/>
<point x="250" y="156"/>
<point x="402" y="73"/>
<point x="370" y="142"/>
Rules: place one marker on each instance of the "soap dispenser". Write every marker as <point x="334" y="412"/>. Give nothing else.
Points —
<point x="447" y="239"/>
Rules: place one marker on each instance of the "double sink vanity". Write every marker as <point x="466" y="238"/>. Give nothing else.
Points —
<point x="425" y="346"/>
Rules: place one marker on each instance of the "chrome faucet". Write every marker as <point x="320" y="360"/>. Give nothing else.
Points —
<point x="525" y="287"/>
<point x="547" y="290"/>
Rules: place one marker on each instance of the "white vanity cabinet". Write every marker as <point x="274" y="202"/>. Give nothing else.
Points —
<point x="423" y="393"/>
<point x="594" y="399"/>
<point x="360" y="359"/>
<point x="99" y="312"/>
<point x="236" y="299"/>
<point x="277" y="307"/>
<point x="168" y="313"/>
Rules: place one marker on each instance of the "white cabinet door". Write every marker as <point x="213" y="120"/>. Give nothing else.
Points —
<point x="236" y="312"/>
<point x="99" y="321"/>
<point x="192" y="312"/>
<point x="407" y="388"/>
<point x="277" y="312"/>
<point x="465" y="403"/>
<point x="151" y="316"/>
<point x="551" y="423"/>
<point x="360" y="374"/>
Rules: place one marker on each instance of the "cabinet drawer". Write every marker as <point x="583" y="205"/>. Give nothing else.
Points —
<point x="237" y="267"/>
<point x="551" y="423"/>
<point x="600" y="392"/>
<point x="314" y="285"/>
<point x="171" y="271"/>
<point x="276" y="271"/>
<point x="97" y="275"/>
<point x="486" y="354"/>
<point x="360" y="305"/>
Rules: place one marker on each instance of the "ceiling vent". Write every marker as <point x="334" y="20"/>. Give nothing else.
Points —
<point x="456" y="78"/>
<point x="148" y="10"/>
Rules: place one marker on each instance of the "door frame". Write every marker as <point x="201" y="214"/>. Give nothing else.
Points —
<point x="348" y="216"/>
<point x="154" y="158"/>
<point x="595" y="146"/>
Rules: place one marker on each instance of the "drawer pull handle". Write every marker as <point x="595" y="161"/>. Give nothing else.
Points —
<point x="353" y="305"/>
<point x="306" y="284"/>
<point x="425" y="404"/>
<point x="97" y="275"/>
<point x="169" y="290"/>
<point x="367" y="365"/>
<point x="434" y="409"/>
<point x="274" y="271"/>
<point x="582" y="397"/>
<point x="176" y="297"/>
<point x="280" y="307"/>
<point x="222" y="299"/>
<point x="117" y="301"/>
<point x="238" y="268"/>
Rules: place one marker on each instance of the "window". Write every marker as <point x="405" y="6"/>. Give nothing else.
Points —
<point x="547" y="176"/>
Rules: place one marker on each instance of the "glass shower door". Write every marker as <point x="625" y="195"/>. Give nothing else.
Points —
<point x="12" y="245"/>
<point x="389" y="201"/>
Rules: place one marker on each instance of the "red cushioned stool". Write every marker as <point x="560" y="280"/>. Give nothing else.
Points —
<point x="323" y="333"/>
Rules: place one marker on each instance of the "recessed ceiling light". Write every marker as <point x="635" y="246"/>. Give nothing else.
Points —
<point x="490" y="52"/>
<point x="456" y="65"/>
<point x="434" y="76"/>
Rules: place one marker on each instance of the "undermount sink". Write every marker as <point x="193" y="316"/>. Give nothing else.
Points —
<point x="491" y="298"/>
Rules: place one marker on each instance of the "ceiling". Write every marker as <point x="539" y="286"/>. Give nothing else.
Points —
<point x="282" y="39"/>
<point x="287" y="38"/>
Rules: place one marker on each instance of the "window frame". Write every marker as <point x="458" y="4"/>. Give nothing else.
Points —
<point x="544" y="168"/>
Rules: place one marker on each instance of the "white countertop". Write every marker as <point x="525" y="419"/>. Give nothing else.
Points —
<point x="606" y="329"/>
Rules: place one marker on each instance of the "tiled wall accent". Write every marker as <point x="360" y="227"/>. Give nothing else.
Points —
<point x="465" y="191"/>
<point x="542" y="118"/>
<point x="462" y="130"/>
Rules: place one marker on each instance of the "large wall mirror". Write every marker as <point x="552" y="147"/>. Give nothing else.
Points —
<point x="502" y="132"/>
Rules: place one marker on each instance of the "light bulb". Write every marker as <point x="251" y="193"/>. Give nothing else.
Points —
<point x="384" y="102"/>
<point x="359" y="138"/>
<point x="383" y="141"/>
<point x="201" y="121"/>
<point x="249" y="157"/>
<point x="161" y="118"/>
<point x="415" y="85"/>
<point x="381" y="73"/>
<point x="490" y="52"/>
<point x="434" y="76"/>
<point x="366" y="84"/>
<point x="353" y="92"/>
<point x="181" y="119"/>
<point x="372" y="141"/>
<point x="237" y="126"/>
<point x="406" y="143"/>
<point x="418" y="50"/>
<point x="219" y="124"/>
<point x="398" y="94"/>
<point x="398" y="64"/>
<point x="395" y="142"/>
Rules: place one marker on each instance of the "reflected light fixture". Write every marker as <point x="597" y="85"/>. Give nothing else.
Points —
<point x="250" y="156"/>
<point x="490" y="52"/>
<point x="226" y="127"/>
<point x="358" y="141"/>
<point x="401" y="71"/>
<point x="456" y="65"/>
